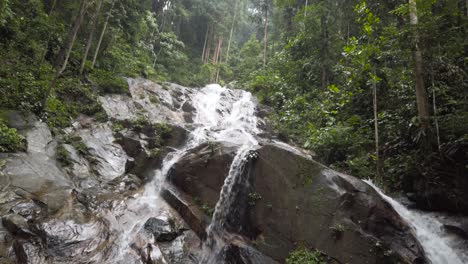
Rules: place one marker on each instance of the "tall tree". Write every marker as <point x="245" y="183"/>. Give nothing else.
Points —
<point x="64" y="54"/>
<point x="91" y="35"/>
<point x="421" y="94"/>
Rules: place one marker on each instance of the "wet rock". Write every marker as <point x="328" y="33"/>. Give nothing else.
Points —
<point x="162" y="230"/>
<point x="109" y="159"/>
<point x="201" y="172"/>
<point x="16" y="225"/>
<point x="67" y="239"/>
<point x="294" y="200"/>
<point x="241" y="253"/>
<point x="28" y="210"/>
<point x="150" y="100"/>
<point x="459" y="230"/>
<point x="187" y="208"/>
<point x="335" y="213"/>
<point x="182" y="249"/>
<point x="28" y="252"/>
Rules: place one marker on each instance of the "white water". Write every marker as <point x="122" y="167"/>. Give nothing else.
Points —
<point x="221" y="115"/>
<point x="439" y="247"/>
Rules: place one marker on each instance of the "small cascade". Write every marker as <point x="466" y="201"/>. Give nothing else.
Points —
<point x="439" y="248"/>
<point x="221" y="115"/>
<point x="226" y="215"/>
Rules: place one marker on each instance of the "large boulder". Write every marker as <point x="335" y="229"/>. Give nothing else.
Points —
<point x="294" y="200"/>
<point x="202" y="170"/>
<point x="335" y="213"/>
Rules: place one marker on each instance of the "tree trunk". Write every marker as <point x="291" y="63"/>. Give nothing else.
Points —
<point x="324" y="77"/>
<point x="101" y="37"/>
<point x="206" y="40"/>
<point x="218" y="60"/>
<point x="232" y="30"/>
<point x="208" y="49"/>
<point x="64" y="54"/>
<point x="376" y="132"/>
<point x="434" y="105"/>
<point x="305" y="10"/>
<point x="91" y="36"/>
<point x="52" y="7"/>
<point x="265" y="38"/>
<point x="421" y="94"/>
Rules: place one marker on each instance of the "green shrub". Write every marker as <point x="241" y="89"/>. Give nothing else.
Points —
<point x="109" y="83"/>
<point x="72" y="97"/>
<point x="303" y="255"/>
<point x="10" y="140"/>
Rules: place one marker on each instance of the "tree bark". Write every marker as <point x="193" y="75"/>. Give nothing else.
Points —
<point x="206" y="40"/>
<point x="52" y="7"/>
<point x="421" y="94"/>
<point x="265" y="37"/>
<point x="305" y="10"/>
<point x="91" y="36"/>
<point x="101" y="37"/>
<point x="232" y="30"/>
<point x="376" y="132"/>
<point x="434" y="105"/>
<point x="64" y="54"/>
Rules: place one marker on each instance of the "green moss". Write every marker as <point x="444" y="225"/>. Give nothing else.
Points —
<point x="63" y="156"/>
<point x="154" y="99"/>
<point x="303" y="255"/>
<point x="155" y="152"/>
<point x="10" y="139"/>
<point x="77" y="143"/>
<point x="204" y="207"/>
<point x="254" y="197"/>
<point x="307" y="171"/>
<point x="117" y="127"/>
<point x="337" y="230"/>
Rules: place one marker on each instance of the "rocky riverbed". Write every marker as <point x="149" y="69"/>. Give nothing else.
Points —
<point x="142" y="188"/>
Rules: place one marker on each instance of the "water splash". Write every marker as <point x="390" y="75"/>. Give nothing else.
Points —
<point x="438" y="246"/>
<point x="221" y="115"/>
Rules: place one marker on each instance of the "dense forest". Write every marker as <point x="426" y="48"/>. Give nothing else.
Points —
<point x="377" y="89"/>
<point x="373" y="89"/>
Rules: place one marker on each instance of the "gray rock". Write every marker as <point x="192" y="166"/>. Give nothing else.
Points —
<point x="162" y="230"/>
<point x="109" y="158"/>
<point x="299" y="201"/>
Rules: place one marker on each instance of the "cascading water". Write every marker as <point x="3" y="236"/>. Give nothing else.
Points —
<point x="439" y="248"/>
<point x="221" y="115"/>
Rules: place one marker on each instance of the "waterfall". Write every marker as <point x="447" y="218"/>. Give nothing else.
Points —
<point x="221" y="115"/>
<point x="439" y="248"/>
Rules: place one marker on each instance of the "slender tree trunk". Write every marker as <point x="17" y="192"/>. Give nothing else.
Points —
<point x="376" y="132"/>
<point x="434" y="105"/>
<point x="232" y="30"/>
<point x="64" y="54"/>
<point x="421" y="94"/>
<point x="91" y="36"/>
<point x="204" y="44"/>
<point x="52" y="7"/>
<point x="218" y="60"/>
<point x="265" y="38"/>
<point x="305" y="10"/>
<point x="101" y="37"/>
<point x="208" y="50"/>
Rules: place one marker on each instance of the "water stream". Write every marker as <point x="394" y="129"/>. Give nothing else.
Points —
<point x="438" y="246"/>
<point x="221" y="115"/>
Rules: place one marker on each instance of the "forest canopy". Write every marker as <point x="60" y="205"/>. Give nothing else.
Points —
<point x="377" y="89"/>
